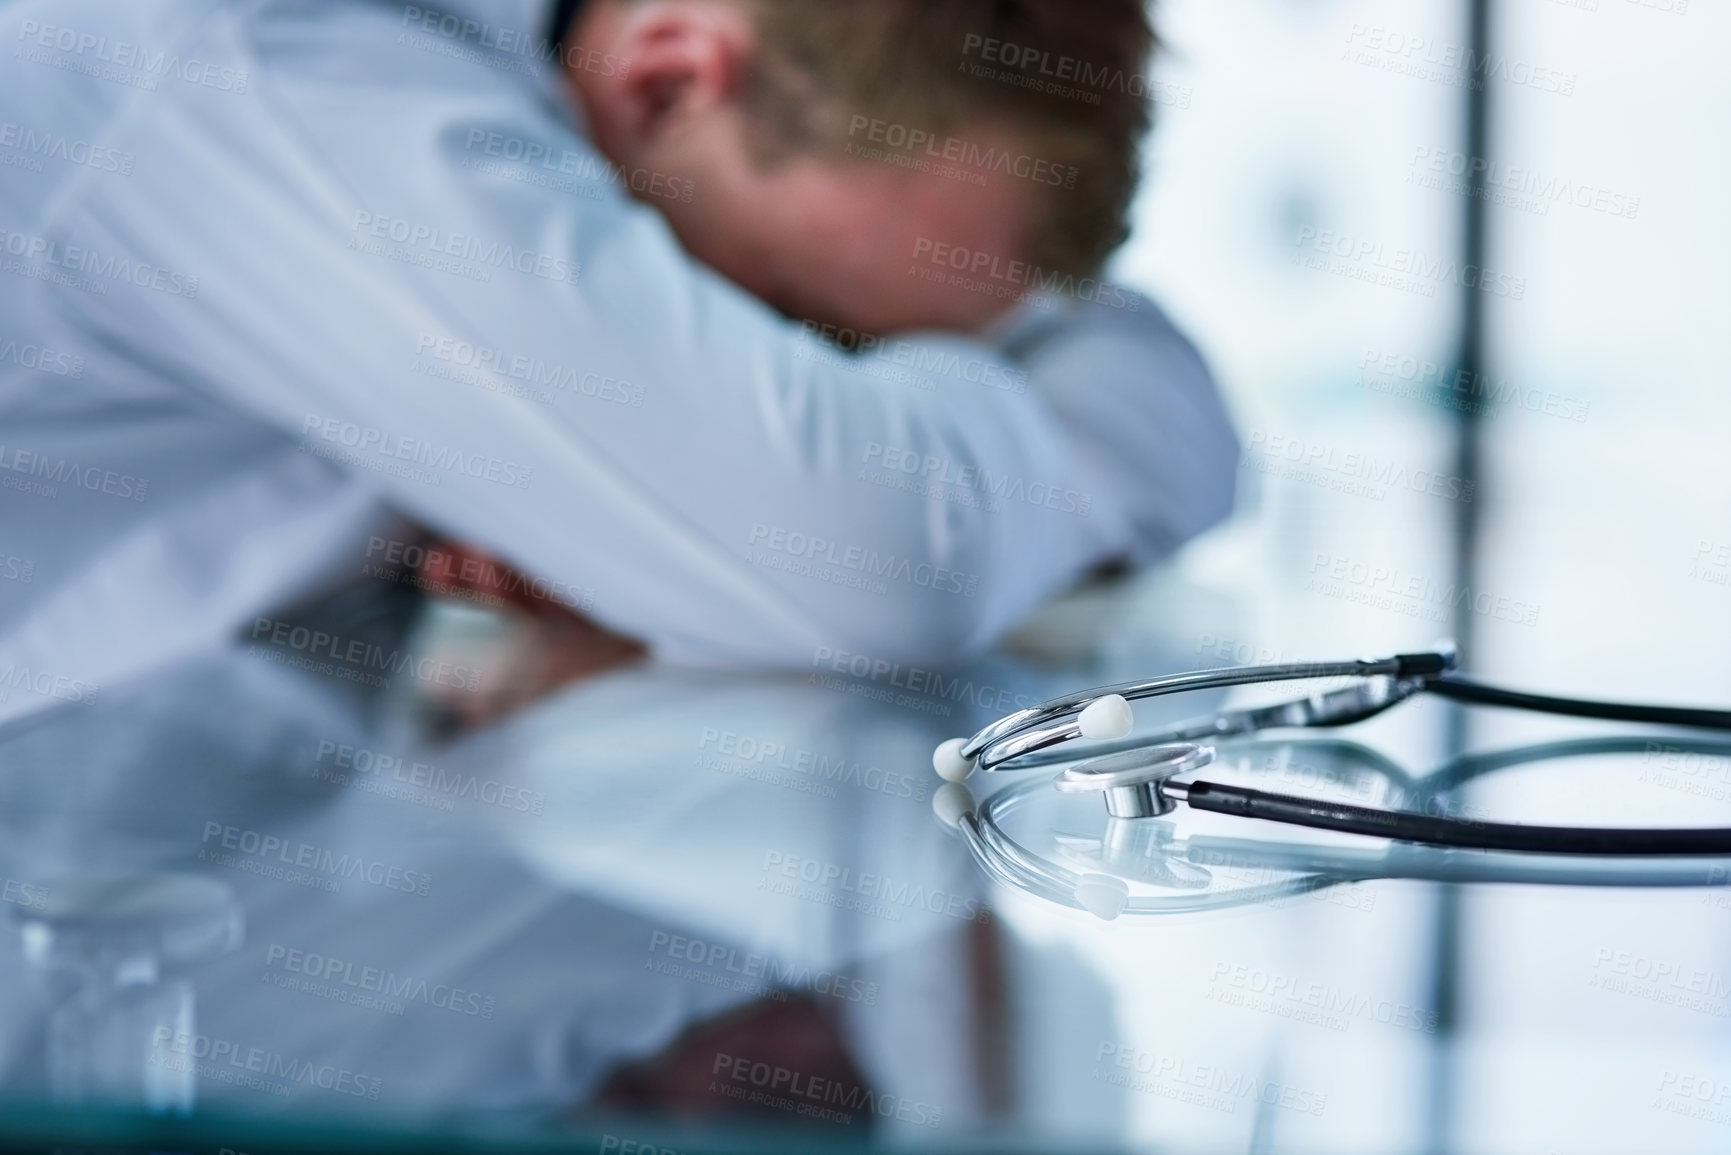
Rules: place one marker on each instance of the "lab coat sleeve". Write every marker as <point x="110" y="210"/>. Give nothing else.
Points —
<point x="1116" y="371"/>
<point x="523" y="358"/>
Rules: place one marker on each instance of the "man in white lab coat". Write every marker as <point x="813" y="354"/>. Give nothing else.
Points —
<point x="662" y="302"/>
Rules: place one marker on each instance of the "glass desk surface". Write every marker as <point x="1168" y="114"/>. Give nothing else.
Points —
<point x="679" y="910"/>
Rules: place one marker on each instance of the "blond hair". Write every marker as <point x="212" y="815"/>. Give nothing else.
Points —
<point x="1065" y="78"/>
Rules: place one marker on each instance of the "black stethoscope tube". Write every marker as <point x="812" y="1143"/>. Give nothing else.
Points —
<point x="1461" y="689"/>
<point x="1475" y="835"/>
<point x="1469" y="834"/>
<point x="1138" y="790"/>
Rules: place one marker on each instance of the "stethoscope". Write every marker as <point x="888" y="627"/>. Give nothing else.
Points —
<point x="1148" y="775"/>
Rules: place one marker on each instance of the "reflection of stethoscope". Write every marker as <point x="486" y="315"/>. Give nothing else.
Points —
<point x="1023" y="837"/>
<point x="1139" y="775"/>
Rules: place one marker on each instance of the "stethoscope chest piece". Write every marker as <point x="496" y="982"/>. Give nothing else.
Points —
<point x="1135" y="782"/>
<point x="1022" y="836"/>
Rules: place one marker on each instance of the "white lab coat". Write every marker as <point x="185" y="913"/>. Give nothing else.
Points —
<point x="251" y="248"/>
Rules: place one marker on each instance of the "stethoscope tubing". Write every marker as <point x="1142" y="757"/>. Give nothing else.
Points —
<point x="1460" y="688"/>
<point x="1471" y="834"/>
<point x="1016" y="742"/>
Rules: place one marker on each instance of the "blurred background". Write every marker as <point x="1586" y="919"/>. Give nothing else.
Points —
<point x="1460" y="268"/>
<point x="1475" y="371"/>
<point x="1303" y="148"/>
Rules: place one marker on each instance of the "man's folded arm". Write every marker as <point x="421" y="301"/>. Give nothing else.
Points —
<point x="551" y="378"/>
<point x="1121" y="377"/>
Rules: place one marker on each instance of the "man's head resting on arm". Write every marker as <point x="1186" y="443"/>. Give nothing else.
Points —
<point x="832" y="144"/>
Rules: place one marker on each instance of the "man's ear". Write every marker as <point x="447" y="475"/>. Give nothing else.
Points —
<point x="686" y="56"/>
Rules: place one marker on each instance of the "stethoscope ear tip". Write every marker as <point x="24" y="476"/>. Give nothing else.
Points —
<point x="1102" y="895"/>
<point x="951" y="802"/>
<point x="1106" y="718"/>
<point x="948" y="761"/>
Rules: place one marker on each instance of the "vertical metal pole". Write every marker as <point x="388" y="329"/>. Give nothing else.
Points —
<point x="1468" y="466"/>
<point x="1470" y="355"/>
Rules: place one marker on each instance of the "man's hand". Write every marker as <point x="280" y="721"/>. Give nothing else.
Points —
<point x="547" y="645"/>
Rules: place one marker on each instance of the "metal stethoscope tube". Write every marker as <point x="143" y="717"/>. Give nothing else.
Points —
<point x="1137" y="775"/>
<point x="1131" y="847"/>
